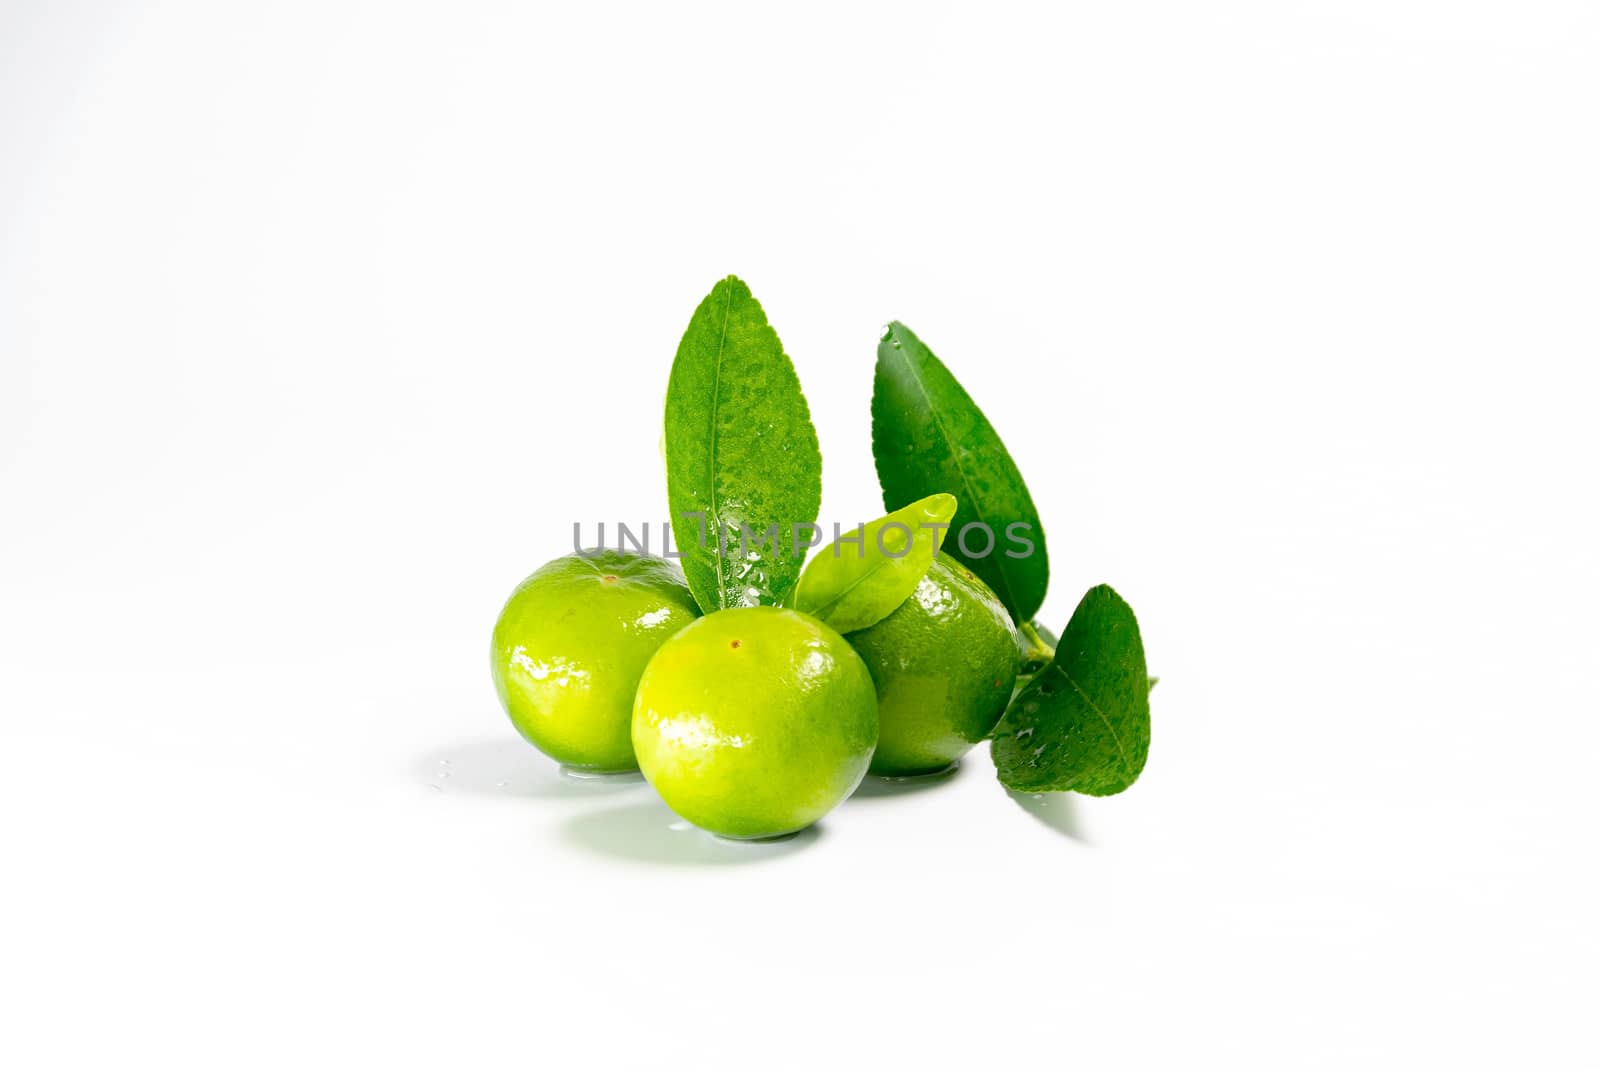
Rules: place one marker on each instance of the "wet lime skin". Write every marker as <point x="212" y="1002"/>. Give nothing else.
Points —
<point x="755" y="722"/>
<point x="943" y="663"/>
<point x="570" y="645"/>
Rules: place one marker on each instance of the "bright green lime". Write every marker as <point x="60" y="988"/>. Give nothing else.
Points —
<point x="755" y="722"/>
<point x="570" y="645"/>
<point x="943" y="663"/>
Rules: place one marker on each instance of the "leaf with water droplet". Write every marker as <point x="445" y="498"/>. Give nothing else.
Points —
<point x="851" y="585"/>
<point x="1083" y="723"/>
<point x="741" y="454"/>
<point x="928" y="435"/>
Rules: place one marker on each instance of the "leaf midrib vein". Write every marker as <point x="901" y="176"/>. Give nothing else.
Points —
<point x="832" y="603"/>
<point x="713" y="513"/>
<point x="1110" y="729"/>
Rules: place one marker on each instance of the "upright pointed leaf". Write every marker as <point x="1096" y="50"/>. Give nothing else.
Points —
<point x="863" y="577"/>
<point x="927" y="436"/>
<point x="1083" y="723"/>
<point x="743" y="468"/>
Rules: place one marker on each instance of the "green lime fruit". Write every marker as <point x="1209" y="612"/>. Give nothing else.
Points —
<point x="570" y="645"/>
<point x="943" y="663"/>
<point x="755" y="722"/>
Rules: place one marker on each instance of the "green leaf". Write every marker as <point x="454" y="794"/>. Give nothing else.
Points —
<point x="855" y="584"/>
<point x="929" y="436"/>
<point x="743" y="468"/>
<point x="1083" y="723"/>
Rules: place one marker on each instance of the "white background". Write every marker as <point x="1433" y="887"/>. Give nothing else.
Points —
<point x="321" y="323"/>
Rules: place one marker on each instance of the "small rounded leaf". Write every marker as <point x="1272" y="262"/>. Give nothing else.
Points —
<point x="1083" y="723"/>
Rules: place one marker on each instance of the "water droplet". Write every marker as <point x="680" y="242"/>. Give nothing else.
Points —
<point x="444" y="761"/>
<point x="444" y="776"/>
<point x="501" y="784"/>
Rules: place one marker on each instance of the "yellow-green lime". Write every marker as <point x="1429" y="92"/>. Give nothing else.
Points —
<point x="570" y="645"/>
<point x="755" y="722"/>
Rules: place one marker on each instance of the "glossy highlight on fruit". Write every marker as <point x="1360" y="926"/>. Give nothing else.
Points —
<point x="943" y="664"/>
<point x="571" y="643"/>
<point x="755" y="722"/>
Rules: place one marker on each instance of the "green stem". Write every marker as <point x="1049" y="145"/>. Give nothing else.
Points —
<point x="1037" y="647"/>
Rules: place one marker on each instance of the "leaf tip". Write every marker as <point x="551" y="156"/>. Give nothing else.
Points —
<point x="1103" y="592"/>
<point x="893" y="337"/>
<point x="939" y="510"/>
<point x="734" y="283"/>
